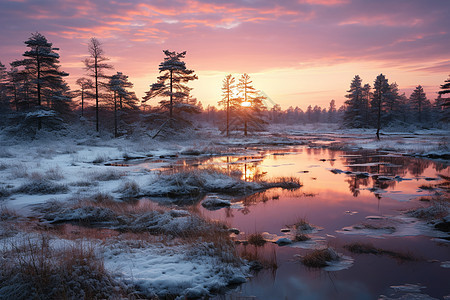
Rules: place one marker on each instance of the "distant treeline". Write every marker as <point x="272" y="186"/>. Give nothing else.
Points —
<point x="34" y="95"/>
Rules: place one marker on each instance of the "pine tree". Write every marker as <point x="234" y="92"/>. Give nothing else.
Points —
<point x="86" y="85"/>
<point x="445" y="90"/>
<point x="419" y="103"/>
<point x="96" y="66"/>
<point x="251" y="103"/>
<point x="381" y="90"/>
<point x="353" y="116"/>
<point x="118" y="84"/>
<point x="4" y="101"/>
<point x="229" y="102"/>
<point x="393" y="103"/>
<point x="171" y="82"/>
<point x="41" y="65"/>
<point x="365" y="103"/>
<point x="332" y="112"/>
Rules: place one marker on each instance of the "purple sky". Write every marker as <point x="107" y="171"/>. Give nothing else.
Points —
<point x="298" y="52"/>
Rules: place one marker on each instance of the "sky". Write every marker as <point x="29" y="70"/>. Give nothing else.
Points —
<point x="298" y="52"/>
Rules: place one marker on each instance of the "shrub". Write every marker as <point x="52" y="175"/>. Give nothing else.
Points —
<point x="129" y="189"/>
<point x="105" y="175"/>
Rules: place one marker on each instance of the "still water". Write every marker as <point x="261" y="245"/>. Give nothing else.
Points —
<point x="330" y="199"/>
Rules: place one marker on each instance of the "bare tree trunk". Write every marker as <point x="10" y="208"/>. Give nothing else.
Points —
<point x="82" y="101"/>
<point x="379" y="118"/>
<point x="171" y="96"/>
<point x="228" y="113"/>
<point x="115" y="114"/>
<point x="96" y="94"/>
<point x="39" y="86"/>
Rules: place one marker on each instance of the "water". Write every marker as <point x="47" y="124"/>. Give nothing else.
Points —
<point x="332" y="201"/>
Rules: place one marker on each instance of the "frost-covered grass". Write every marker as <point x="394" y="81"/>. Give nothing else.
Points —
<point x="105" y="175"/>
<point x="32" y="268"/>
<point x="41" y="186"/>
<point x="103" y="211"/>
<point x="196" y="182"/>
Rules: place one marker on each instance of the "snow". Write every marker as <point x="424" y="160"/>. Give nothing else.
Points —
<point x="180" y="269"/>
<point x="192" y="269"/>
<point x="213" y="203"/>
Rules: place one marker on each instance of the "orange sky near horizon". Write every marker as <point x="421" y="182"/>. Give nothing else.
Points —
<point x="299" y="52"/>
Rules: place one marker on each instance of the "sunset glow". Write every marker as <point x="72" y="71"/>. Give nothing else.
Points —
<point x="297" y="52"/>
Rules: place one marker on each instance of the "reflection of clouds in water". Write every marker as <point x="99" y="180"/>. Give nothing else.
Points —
<point x="311" y="287"/>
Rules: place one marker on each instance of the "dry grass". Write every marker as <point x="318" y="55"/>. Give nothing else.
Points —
<point x="41" y="186"/>
<point x="32" y="269"/>
<point x="105" y="175"/>
<point x="129" y="189"/>
<point x="260" y="260"/>
<point x="256" y="239"/>
<point x="367" y="248"/>
<point x="320" y="258"/>
<point x="285" y="182"/>
<point x="300" y="228"/>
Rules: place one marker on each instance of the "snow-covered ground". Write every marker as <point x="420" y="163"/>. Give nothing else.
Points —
<point x="54" y="179"/>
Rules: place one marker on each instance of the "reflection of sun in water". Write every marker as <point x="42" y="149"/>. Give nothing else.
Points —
<point x="248" y="173"/>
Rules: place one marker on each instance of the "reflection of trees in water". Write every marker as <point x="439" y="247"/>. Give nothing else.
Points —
<point x="354" y="184"/>
<point x="384" y="165"/>
<point x="391" y="165"/>
<point x="417" y="166"/>
<point x="267" y="195"/>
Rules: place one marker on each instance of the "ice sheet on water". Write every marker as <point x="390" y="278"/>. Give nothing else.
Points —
<point x="407" y="292"/>
<point x="398" y="226"/>
<point x="343" y="263"/>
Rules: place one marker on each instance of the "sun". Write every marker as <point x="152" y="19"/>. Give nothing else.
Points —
<point x="246" y="104"/>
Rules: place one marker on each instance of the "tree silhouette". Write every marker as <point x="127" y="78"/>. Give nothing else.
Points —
<point x="381" y="90"/>
<point x="229" y="101"/>
<point x="86" y="85"/>
<point x="41" y="65"/>
<point x="96" y="66"/>
<point x="171" y="82"/>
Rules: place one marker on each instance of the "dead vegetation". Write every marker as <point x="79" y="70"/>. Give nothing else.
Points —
<point x="33" y="269"/>
<point x="367" y="248"/>
<point x="320" y="258"/>
<point x="256" y="239"/>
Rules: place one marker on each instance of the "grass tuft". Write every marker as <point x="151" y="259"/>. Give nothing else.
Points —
<point x="41" y="187"/>
<point x="32" y="269"/>
<point x="367" y="248"/>
<point x="256" y="239"/>
<point x="320" y="258"/>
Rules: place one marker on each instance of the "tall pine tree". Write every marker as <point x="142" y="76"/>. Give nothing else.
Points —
<point x="445" y="90"/>
<point x="229" y="101"/>
<point x="42" y="67"/>
<point x="171" y="83"/>
<point x="353" y="116"/>
<point x="419" y="103"/>
<point x="381" y="91"/>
